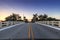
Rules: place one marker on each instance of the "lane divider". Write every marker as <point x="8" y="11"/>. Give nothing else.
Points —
<point x="30" y="32"/>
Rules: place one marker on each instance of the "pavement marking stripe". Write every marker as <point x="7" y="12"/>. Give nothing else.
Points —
<point x="30" y="32"/>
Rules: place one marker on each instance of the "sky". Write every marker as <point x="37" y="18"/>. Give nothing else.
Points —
<point x="29" y="7"/>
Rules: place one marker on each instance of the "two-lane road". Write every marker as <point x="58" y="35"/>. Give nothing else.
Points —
<point x="30" y="31"/>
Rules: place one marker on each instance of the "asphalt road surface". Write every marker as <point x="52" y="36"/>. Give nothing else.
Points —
<point x="30" y="31"/>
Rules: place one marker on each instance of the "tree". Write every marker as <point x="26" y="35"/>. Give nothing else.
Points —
<point x="45" y="17"/>
<point x="19" y="18"/>
<point x="51" y="19"/>
<point x="24" y="18"/>
<point x="13" y="17"/>
<point x="40" y="17"/>
<point x="35" y="18"/>
<point x="8" y="18"/>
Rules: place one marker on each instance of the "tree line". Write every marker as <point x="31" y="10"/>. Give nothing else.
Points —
<point x="15" y="17"/>
<point x="36" y="17"/>
<point x="43" y="17"/>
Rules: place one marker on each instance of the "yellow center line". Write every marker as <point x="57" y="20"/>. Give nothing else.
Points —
<point x="30" y="32"/>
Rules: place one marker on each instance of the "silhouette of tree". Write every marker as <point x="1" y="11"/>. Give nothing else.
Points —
<point x="45" y="17"/>
<point x="35" y="18"/>
<point x="13" y="17"/>
<point x="51" y="19"/>
<point x="40" y="17"/>
<point x="24" y="18"/>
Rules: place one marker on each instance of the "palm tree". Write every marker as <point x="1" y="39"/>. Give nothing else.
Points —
<point x="35" y="18"/>
<point x="14" y="17"/>
<point x="40" y="17"/>
<point x="19" y="18"/>
<point x="24" y="18"/>
<point x="45" y="17"/>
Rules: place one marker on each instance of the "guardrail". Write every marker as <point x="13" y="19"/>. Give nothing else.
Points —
<point x="8" y="23"/>
<point x="52" y="23"/>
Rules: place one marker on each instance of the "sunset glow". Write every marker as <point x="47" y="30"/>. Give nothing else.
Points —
<point x="28" y="8"/>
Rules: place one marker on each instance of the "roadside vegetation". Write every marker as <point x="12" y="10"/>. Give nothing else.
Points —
<point x="16" y="17"/>
<point x="44" y="17"/>
<point x="36" y="17"/>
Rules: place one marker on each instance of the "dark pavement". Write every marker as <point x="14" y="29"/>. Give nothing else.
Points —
<point x="30" y="31"/>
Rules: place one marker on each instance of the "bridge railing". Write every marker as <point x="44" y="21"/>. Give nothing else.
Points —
<point x="52" y="23"/>
<point x="8" y="23"/>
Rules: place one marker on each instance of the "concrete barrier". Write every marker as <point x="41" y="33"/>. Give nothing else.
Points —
<point x="9" y="23"/>
<point x="52" y="23"/>
<point x="10" y="26"/>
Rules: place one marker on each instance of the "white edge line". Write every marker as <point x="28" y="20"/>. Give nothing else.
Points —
<point x="50" y="26"/>
<point x="9" y="27"/>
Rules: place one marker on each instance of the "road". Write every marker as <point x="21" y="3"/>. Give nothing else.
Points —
<point x="30" y="31"/>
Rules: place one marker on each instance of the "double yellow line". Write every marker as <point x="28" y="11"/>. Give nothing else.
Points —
<point x="30" y="31"/>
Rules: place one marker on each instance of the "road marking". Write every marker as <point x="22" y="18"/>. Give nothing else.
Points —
<point x="30" y="32"/>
